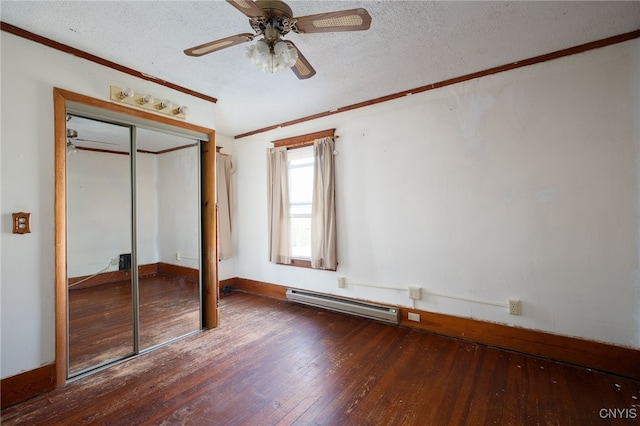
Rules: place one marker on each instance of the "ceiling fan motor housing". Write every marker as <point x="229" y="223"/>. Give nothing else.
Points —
<point x="275" y="8"/>
<point x="276" y="22"/>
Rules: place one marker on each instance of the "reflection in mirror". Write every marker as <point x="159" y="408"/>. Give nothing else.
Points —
<point x="100" y="303"/>
<point x="168" y="231"/>
<point x="114" y="312"/>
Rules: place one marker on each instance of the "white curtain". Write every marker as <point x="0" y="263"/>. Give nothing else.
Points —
<point x="323" y="207"/>
<point x="224" y="169"/>
<point x="278" y="205"/>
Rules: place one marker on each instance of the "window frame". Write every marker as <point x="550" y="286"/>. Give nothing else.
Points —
<point x="301" y="142"/>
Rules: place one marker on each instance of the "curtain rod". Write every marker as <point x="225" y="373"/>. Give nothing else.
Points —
<point x="218" y="149"/>
<point x="304" y="140"/>
<point x="301" y="144"/>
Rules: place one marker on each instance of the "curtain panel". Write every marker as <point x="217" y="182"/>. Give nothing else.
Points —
<point x="278" y="205"/>
<point x="224" y="170"/>
<point x="323" y="207"/>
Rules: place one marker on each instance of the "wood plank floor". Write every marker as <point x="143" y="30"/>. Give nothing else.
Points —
<point x="101" y="317"/>
<point x="273" y="362"/>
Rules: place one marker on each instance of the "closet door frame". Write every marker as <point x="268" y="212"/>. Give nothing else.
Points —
<point x="64" y="98"/>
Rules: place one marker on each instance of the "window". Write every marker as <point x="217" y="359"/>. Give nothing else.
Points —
<point x="301" y="201"/>
<point x="300" y="168"/>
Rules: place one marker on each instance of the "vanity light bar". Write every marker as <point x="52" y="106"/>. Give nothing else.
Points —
<point x="148" y="102"/>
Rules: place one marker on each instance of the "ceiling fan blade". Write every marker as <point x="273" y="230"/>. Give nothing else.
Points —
<point x="249" y="8"/>
<point x="93" y="141"/>
<point x="345" y="20"/>
<point x="302" y="68"/>
<point x="214" y="46"/>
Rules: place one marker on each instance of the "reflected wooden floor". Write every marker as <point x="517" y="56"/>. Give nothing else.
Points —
<point x="101" y="317"/>
<point x="275" y="362"/>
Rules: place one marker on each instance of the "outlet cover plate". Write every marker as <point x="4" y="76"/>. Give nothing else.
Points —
<point x="515" y="307"/>
<point x="415" y="292"/>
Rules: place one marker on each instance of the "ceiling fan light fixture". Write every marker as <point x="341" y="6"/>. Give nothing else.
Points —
<point x="274" y="57"/>
<point x="71" y="148"/>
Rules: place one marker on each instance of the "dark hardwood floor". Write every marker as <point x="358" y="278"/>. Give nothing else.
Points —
<point x="101" y="317"/>
<point x="274" y="362"/>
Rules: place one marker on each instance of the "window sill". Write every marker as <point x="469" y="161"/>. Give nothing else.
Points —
<point x="303" y="263"/>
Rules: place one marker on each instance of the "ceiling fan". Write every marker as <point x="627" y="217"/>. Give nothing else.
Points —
<point x="72" y="136"/>
<point x="273" y="19"/>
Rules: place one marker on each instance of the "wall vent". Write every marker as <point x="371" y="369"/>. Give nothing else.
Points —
<point x="368" y="310"/>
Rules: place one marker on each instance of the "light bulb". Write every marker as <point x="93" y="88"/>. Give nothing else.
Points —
<point x="262" y="47"/>
<point x="280" y="47"/>
<point x="146" y="99"/>
<point x="180" y="110"/>
<point x="125" y="93"/>
<point x="71" y="148"/>
<point x="164" y="104"/>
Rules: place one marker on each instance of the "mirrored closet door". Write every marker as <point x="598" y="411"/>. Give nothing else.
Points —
<point x="99" y="242"/>
<point x="133" y="240"/>
<point x="168" y="200"/>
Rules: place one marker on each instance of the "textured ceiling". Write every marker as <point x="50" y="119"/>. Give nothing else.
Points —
<point x="409" y="44"/>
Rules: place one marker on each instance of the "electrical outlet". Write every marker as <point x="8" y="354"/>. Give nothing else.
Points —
<point x="178" y="257"/>
<point x="114" y="261"/>
<point x="515" y="307"/>
<point x="124" y="262"/>
<point x="415" y="292"/>
<point x="412" y="316"/>
<point x="342" y="282"/>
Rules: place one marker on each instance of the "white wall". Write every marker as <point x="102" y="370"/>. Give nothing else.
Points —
<point x="147" y="209"/>
<point x="29" y="72"/>
<point x="523" y="184"/>
<point x="178" y="205"/>
<point x="98" y="211"/>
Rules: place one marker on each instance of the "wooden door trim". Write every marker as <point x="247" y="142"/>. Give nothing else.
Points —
<point x="209" y="236"/>
<point x="209" y="246"/>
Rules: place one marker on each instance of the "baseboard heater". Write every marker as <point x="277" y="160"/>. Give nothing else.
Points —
<point x="368" y="310"/>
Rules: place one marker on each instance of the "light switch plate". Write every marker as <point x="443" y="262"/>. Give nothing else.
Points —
<point x="21" y="223"/>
